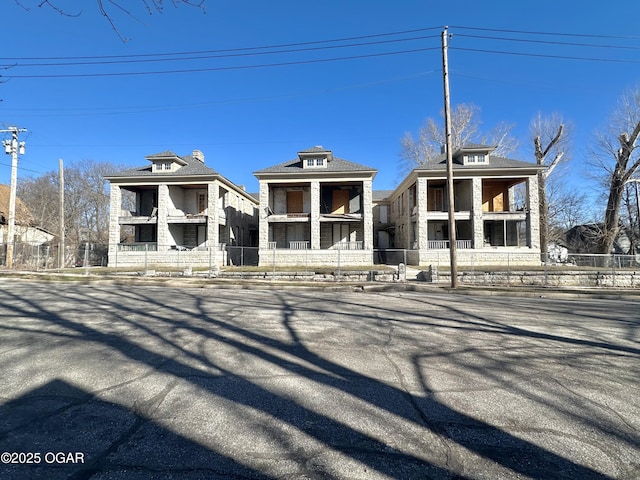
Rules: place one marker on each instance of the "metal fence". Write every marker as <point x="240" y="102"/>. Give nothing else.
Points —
<point x="481" y="267"/>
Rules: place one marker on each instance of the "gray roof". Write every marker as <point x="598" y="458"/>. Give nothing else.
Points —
<point x="440" y="163"/>
<point x="193" y="167"/>
<point x="334" y="165"/>
<point x="381" y="194"/>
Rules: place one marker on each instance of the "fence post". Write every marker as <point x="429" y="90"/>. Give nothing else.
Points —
<point x="38" y="259"/>
<point x="613" y="266"/>
<point x="86" y="258"/>
<point x="273" y="262"/>
<point x="546" y="273"/>
<point x="146" y="250"/>
<point x="338" y="271"/>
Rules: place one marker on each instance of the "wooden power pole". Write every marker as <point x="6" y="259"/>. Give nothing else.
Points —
<point x="447" y="130"/>
<point x="61" y="214"/>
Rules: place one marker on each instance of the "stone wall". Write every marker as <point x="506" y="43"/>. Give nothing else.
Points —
<point x="171" y="258"/>
<point x="469" y="257"/>
<point x="285" y="257"/>
<point x="626" y="279"/>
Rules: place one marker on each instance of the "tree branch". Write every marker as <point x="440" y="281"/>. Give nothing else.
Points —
<point x="555" y="140"/>
<point x="553" y="164"/>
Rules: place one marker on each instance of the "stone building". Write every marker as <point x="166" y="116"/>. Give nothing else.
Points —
<point x="495" y="203"/>
<point x="179" y="209"/>
<point x="316" y="209"/>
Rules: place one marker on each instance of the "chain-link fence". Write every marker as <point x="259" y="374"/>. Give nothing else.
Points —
<point x="474" y="267"/>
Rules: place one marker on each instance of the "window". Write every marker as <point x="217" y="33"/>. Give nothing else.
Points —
<point x="315" y="162"/>
<point x="479" y="158"/>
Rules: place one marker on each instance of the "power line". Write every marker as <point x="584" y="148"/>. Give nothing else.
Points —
<point x="549" y="42"/>
<point x="222" y="55"/>
<point x="229" y="50"/>
<point x="225" y="68"/>
<point x="559" y="34"/>
<point x="540" y="55"/>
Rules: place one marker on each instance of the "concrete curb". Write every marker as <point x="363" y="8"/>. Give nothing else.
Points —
<point x="611" y="293"/>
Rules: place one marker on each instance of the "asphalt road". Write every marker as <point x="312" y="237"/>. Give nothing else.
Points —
<point x="107" y="382"/>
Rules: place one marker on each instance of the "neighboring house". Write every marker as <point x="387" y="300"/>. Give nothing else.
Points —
<point x="183" y="211"/>
<point x="316" y="209"/>
<point x="25" y="229"/>
<point x="584" y="239"/>
<point x="496" y="210"/>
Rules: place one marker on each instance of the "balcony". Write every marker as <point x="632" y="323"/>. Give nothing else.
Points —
<point x="348" y="246"/>
<point x="444" y="244"/>
<point x="298" y="245"/>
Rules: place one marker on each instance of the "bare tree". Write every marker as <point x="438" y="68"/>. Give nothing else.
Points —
<point x="550" y="140"/>
<point x="465" y="128"/>
<point x="108" y="8"/>
<point x="618" y="143"/>
<point x="86" y="216"/>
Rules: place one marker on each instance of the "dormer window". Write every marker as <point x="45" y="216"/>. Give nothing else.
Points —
<point x="315" y="162"/>
<point x="163" y="166"/>
<point x="472" y="159"/>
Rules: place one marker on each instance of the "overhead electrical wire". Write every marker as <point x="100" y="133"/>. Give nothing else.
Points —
<point x="287" y="49"/>
<point x="558" y="34"/>
<point x="239" y="49"/>
<point x="212" y="69"/>
<point x="222" y="55"/>
<point x="539" y="55"/>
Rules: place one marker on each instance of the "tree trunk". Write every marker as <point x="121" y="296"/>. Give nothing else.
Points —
<point x="543" y="212"/>
<point x="611" y="215"/>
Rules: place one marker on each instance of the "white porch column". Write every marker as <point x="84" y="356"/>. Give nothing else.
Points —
<point x="263" y="222"/>
<point x="115" y="208"/>
<point x="533" y="219"/>
<point x="476" y="213"/>
<point x="315" y="215"/>
<point x="422" y="235"/>
<point x="367" y="213"/>
<point x="213" y="214"/>
<point x="163" y="211"/>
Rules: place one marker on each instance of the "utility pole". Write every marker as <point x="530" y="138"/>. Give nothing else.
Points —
<point x="447" y="130"/>
<point x="61" y="214"/>
<point x="12" y="147"/>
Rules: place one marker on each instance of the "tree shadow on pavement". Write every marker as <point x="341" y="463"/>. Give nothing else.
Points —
<point x="201" y="346"/>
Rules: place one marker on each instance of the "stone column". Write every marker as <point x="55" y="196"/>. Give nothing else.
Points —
<point x="263" y="213"/>
<point x="115" y="208"/>
<point x="407" y="218"/>
<point x="533" y="218"/>
<point x="367" y="213"/>
<point x="476" y="213"/>
<point x="315" y="215"/>
<point x="423" y="227"/>
<point x="213" y="214"/>
<point x="163" y="211"/>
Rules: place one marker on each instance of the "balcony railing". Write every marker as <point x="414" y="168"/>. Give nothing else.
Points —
<point x="444" y="244"/>
<point x="137" y="247"/>
<point x="298" y="245"/>
<point x="348" y="245"/>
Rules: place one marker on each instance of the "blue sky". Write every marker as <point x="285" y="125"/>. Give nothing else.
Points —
<point x="357" y="98"/>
